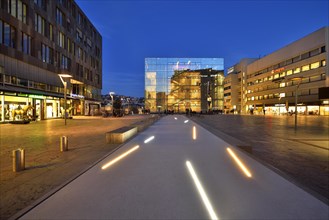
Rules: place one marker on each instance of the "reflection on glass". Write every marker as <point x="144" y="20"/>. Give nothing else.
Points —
<point x="178" y="84"/>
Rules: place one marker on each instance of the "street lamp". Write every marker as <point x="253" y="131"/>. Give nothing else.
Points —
<point x="298" y="80"/>
<point x="111" y="94"/>
<point x="61" y="76"/>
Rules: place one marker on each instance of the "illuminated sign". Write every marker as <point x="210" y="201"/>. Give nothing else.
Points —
<point x="37" y="96"/>
<point x="278" y="70"/>
<point x="77" y="96"/>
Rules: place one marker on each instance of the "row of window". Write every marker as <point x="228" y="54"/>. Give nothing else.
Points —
<point x="8" y="37"/>
<point x="286" y="84"/>
<point x="290" y="61"/>
<point x="296" y="70"/>
<point x="13" y="80"/>
<point x="17" y="9"/>
<point x="278" y="96"/>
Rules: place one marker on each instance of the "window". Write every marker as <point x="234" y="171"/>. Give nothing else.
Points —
<point x="79" y="35"/>
<point x="61" y="40"/>
<point x="315" y="65"/>
<point x="26" y="43"/>
<point x="8" y="35"/>
<point x="65" y="63"/>
<point x="306" y="67"/>
<point x="17" y="9"/>
<point x="39" y="24"/>
<point x="79" y="18"/>
<point x="295" y="59"/>
<point x="41" y="3"/>
<point x="51" y="33"/>
<point x="305" y="55"/>
<point x="314" y="52"/>
<point x="69" y="47"/>
<point x="1" y="32"/>
<point x="323" y="49"/>
<point x="47" y="54"/>
<point x="289" y="72"/>
<point x="80" y="53"/>
<point x="323" y="62"/>
<point x="60" y="17"/>
<point x="297" y="70"/>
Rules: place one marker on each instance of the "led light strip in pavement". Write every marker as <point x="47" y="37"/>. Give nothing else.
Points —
<point x="237" y="160"/>
<point x="201" y="191"/>
<point x="194" y="133"/>
<point x="119" y="157"/>
<point x="149" y="139"/>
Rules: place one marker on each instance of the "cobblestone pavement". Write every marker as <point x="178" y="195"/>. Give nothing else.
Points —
<point x="301" y="155"/>
<point x="46" y="167"/>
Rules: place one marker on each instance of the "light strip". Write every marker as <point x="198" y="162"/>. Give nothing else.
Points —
<point x="149" y="139"/>
<point x="194" y="133"/>
<point x="185" y="121"/>
<point x="242" y="166"/>
<point x="201" y="191"/>
<point x="119" y="157"/>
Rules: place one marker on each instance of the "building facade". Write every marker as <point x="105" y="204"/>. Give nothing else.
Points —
<point x="40" y="40"/>
<point x="271" y="84"/>
<point x="296" y="70"/>
<point x="177" y="84"/>
<point x="234" y="91"/>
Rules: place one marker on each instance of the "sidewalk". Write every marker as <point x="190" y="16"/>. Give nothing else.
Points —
<point x="301" y="155"/>
<point x="47" y="167"/>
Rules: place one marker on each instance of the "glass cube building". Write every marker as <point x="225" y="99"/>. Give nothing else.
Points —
<point x="178" y="84"/>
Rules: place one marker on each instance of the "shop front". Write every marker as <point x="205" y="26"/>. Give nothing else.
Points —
<point x="92" y="108"/>
<point x="19" y="106"/>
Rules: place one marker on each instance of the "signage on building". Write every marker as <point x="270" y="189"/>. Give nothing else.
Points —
<point x="77" y="96"/>
<point x="230" y="70"/>
<point x="278" y="70"/>
<point x="36" y="96"/>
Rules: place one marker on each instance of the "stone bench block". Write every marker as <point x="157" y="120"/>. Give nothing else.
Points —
<point x="120" y="135"/>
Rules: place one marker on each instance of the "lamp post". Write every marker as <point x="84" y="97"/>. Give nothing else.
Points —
<point x="61" y="76"/>
<point x="111" y="94"/>
<point x="298" y="80"/>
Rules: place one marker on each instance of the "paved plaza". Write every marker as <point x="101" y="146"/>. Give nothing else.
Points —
<point x="300" y="156"/>
<point x="46" y="167"/>
<point x="176" y="169"/>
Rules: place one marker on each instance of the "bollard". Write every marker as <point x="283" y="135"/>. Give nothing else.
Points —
<point x="64" y="143"/>
<point x="18" y="160"/>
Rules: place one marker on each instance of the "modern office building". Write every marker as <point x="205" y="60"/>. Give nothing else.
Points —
<point x="177" y="84"/>
<point x="41" y="40"/>
<point x="234" y="91"/>
<point x="297" y="70"/>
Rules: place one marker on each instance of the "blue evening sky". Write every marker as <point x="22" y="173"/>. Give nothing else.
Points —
<point x="234" y="29"/>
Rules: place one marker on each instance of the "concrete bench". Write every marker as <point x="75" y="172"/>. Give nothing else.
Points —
<point x="120" y="135"/>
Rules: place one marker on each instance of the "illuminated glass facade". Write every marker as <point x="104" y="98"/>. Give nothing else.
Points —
<point x="177" y="84"/>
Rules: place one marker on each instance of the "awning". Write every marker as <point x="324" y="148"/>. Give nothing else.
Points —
<point x="14" y="89"/>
